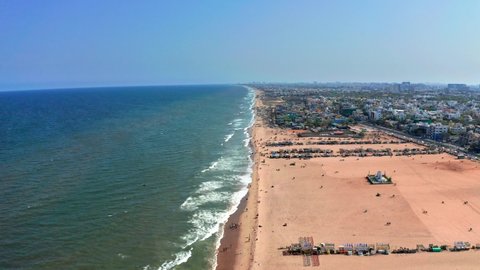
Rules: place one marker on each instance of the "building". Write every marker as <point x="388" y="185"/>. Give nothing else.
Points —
<point x="452" y="115"/>
<point x="457" y="86"/>
<point x="347" y="111"/>
<point x="458" y="128"/>
<point x="379" y="178"/>
<point x="419" y="129"/>
<point x="437" y="131"/>
<point x="405" y="86"/>
<point x="375" y="115"/>
<point x="399" y="114"/>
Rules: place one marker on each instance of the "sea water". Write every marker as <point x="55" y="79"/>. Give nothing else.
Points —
<point x="121" y="178"/>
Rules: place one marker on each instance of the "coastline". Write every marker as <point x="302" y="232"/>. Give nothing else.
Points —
<point x="239" y="240"/>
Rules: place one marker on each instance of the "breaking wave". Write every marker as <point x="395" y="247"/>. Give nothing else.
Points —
<point x="192" y="203"/>
<point x="212" y="166"/>
<point x="228" y="137"/>
<point x="180" y="257"/>
<point x="209" y="186"/>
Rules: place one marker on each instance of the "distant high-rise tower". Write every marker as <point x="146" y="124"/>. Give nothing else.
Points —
<point x="457" y="86"/>
<point x="405" y="86"/>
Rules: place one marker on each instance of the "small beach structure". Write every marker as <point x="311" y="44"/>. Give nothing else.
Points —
<point x="460" y="246"/>
<point x="306" y="244"/>
<point x="309" y="252"/>
<point x="379" y="178"/>
<point x="383" y="248"/>
<point x="404" y="250"/>
<point x="346" y="249"/>
<point x="434" y="248"/>
<point x="361" y="249"/>
<point x="327" y="248"/>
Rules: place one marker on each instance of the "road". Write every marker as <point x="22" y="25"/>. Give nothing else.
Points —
<point x="449" y="148"/>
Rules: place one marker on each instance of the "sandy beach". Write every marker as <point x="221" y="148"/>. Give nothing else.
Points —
<point x="435" y="199"/>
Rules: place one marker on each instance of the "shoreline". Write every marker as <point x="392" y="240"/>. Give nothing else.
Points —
<point x="239" y="239"/>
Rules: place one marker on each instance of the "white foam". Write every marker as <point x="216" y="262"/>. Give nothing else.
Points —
<point x="209" y="186"/>
<point x="237" y="122"/>
<point x="205" y="224"/>
<point x="123" y="256"/>
<point x="188" y="204"/>
<point x="180" y="257"/>
<point x="208" y="222"/>
<point x="212" y="166"/>
<point x="192" y="203"/>
<point x="228" y="137"/>
<point x="223" y="163"/>
<point x="189" y="239"/>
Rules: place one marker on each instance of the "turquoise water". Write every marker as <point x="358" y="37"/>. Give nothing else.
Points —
<point x="120" y="178"/>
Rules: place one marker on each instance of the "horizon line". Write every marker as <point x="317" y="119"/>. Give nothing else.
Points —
<point x="114" y="86"/>
<point x="237" y="83"/>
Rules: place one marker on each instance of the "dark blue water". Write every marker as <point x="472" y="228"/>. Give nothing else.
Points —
<point x="120" y="178"/>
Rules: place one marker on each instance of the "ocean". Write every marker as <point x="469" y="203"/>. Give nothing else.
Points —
<point x="121" y="177"/>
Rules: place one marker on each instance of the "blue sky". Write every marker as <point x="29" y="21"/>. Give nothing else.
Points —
<point x="49" y="44"/>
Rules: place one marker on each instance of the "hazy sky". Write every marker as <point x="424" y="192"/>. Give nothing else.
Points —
<point x="47" y="44"/>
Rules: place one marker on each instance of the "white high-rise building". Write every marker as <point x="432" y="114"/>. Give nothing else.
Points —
<point x="436" y="131"/>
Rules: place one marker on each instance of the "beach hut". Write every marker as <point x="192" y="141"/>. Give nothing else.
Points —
<point x="434" y="248"/>
<point x="460" y="246"/>
<point x="383" y="248"/>
<point x="327" y="248"/>
<point x="293" y="249"/>
<point x="306" y="244"/>
<point x="345" y="249"/>
<point x="361" y="249"/>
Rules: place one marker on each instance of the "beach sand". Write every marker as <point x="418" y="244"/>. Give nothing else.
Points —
<point x="330" y="200"/>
